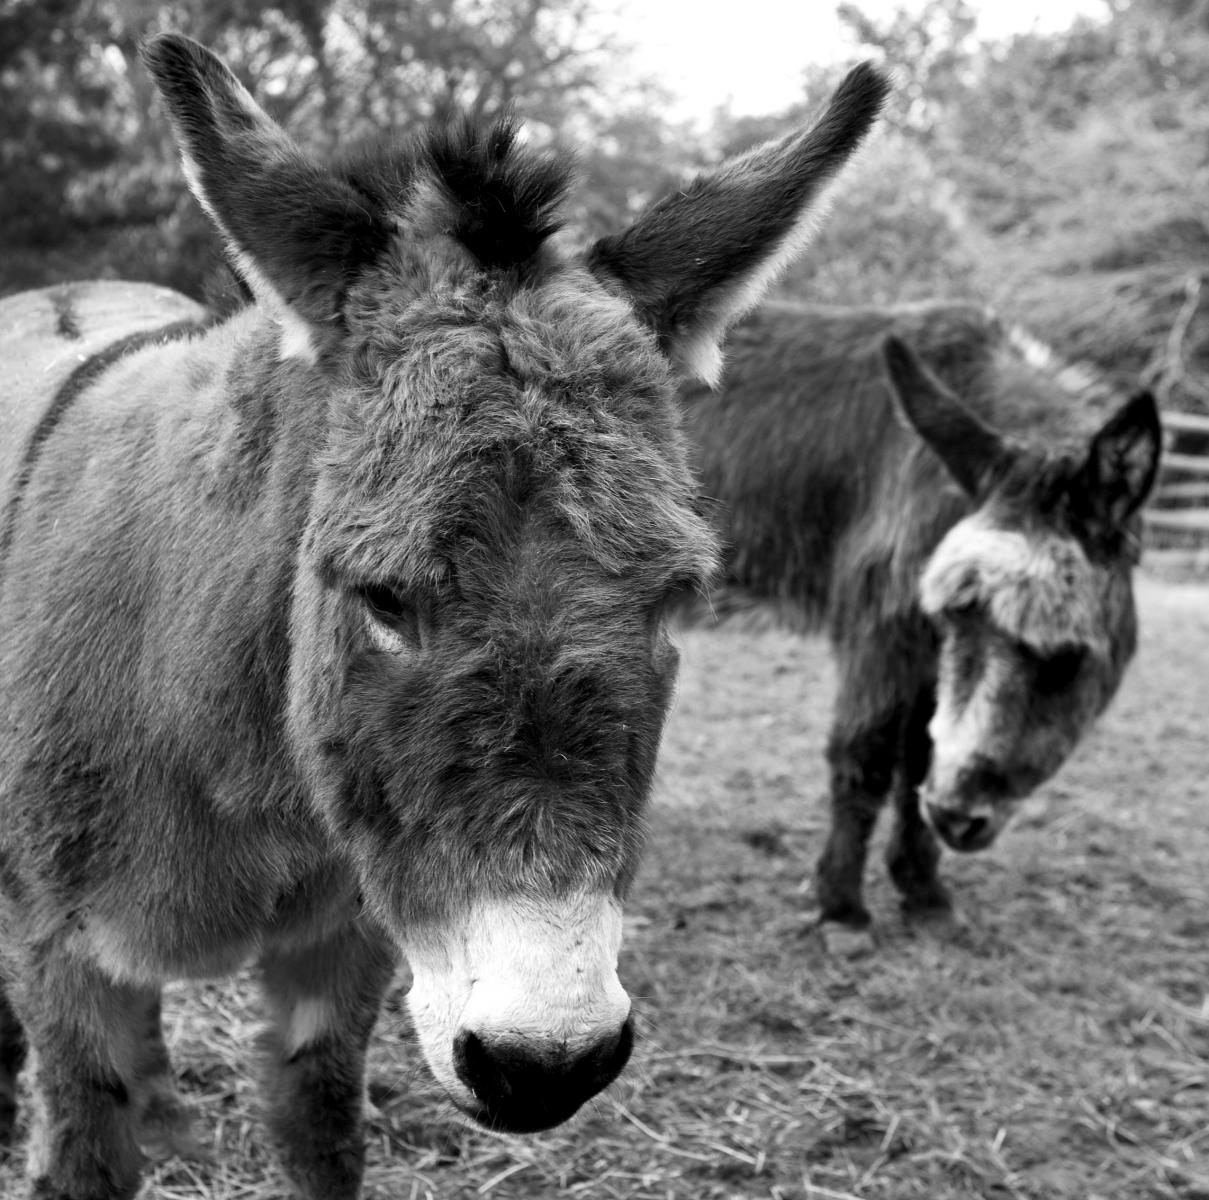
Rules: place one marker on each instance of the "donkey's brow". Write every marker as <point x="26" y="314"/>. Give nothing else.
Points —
<point x="1042" y="648"/>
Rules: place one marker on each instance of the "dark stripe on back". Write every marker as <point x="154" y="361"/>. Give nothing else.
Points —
<point x="86" y="374"/>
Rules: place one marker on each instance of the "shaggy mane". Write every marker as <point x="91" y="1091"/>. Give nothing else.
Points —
<point x="500" y="200"/>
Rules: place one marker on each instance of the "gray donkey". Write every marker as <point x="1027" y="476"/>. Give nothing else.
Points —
<point x="965" y="531"/>
<point x="335" y="630"/>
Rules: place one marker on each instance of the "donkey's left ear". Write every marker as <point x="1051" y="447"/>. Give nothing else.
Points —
<point x="699" y="259"/>
<point x="1123" y="460"/>
<point x="298" y="235"/>
<point x="970" y="449"/>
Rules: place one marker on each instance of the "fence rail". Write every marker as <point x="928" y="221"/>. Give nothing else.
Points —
<point x="1177" y="517"/>
<point x="1184" y="520"/>
<point x="1179" y="422"/>
<point x="1189" y="491"/>
<point x="1193" y="464"/>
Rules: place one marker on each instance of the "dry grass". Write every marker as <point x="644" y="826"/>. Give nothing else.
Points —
<point x="1056" y="1046"/>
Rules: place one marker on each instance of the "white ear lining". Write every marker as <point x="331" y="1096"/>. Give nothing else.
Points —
<point x="699" y="355"/>
<point x="297" y="341"/>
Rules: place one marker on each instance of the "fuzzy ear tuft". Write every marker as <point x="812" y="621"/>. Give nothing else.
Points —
<point x="1123" y="461"/>
<point x="297" y="234"/>
<point x="969" y="448"/>
<point x="697" y="260"/>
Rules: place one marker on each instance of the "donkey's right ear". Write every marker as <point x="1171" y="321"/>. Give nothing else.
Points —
<point x="969" y="448"/>
<point x="700" y="258"/>
<point x="297" y="235"/>
<point x="1123" y="461"/>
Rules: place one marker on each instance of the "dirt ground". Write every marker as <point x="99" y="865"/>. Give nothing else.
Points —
<point x="1053" y="1047"/>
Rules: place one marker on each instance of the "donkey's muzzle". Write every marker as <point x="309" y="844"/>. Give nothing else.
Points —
<point x="522" y="1089"/>
<point x="961" y="829"/>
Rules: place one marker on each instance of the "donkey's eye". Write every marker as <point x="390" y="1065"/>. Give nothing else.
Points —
<point x="965" y="610"/>
<point x="384" y="602"/>
<point x="679" y="595"/>
<point x="1056" y="672"/>
<point x="391" y="612"/>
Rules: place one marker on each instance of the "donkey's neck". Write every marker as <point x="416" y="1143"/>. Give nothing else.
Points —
<point x="270" y="421"/>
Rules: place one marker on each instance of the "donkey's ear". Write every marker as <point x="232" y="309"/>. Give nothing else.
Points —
<point x="1123" y="460"/>
<point x="969" y="448"/>
<point x="697" y="260"/>
<point x="298" y="235"/>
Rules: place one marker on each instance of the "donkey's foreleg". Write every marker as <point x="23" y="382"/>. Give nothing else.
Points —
<point x="82" y="1028"/>
<point x="863" y="754"/>
<point x="913" y="853"/>
<point x="12" y="1057"/>
<point x="323" y="999"/>
<point x="862" y="770"/>
<point x="165" y="1122"/>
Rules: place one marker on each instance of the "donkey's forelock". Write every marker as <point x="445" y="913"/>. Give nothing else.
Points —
<point x="470" y="182"/>
<point x="1039" y="586"/>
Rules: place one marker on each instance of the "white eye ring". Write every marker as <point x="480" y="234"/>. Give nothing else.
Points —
<point x="383" y="637"/>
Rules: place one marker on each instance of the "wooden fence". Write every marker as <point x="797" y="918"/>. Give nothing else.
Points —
<point x="1177" y="517"/>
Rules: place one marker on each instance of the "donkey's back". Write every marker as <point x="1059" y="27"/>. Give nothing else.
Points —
<point x="818" y="485"/>
<point x="50" y="339"/>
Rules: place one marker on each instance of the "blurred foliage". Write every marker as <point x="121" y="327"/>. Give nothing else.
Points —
<point x="896" y="233"/>
<point x="1060" y="176"/>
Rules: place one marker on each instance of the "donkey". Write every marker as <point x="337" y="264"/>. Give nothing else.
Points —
<point x="969" y="551"/>
<point x="356" y="642"/>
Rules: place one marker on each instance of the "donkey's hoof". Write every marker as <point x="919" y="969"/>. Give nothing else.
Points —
<point x="843" y="941"/>
<point x="938" y="920"/>
<point x="931" y="908"/>
<point x="166" y="1131"/>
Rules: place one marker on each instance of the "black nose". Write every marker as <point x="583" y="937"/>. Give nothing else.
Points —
<point x="960" y="830"/>
<point x="523" y="1089"/>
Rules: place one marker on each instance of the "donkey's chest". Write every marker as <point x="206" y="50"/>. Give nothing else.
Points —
<point x="210" y="915"/>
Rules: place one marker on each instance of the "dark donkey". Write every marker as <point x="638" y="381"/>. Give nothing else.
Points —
<point x="971" y="563"/>
<point x="336" y="629"/>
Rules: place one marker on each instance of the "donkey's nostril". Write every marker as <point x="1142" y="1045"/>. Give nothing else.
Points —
<point x="523" y="1087"/>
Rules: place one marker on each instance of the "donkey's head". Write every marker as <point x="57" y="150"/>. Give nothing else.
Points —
<point x="499" y="510"/>
<point x="1032" y="596"/>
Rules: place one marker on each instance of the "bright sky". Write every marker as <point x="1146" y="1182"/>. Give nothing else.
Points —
<point x="751" y="53"/>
